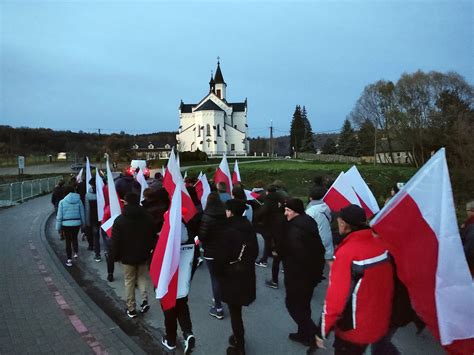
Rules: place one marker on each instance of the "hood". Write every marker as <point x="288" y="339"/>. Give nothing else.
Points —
<point x="320" y="206"/>
<point x="306" y="223"/>
<point x="134" y="211"/>
<point x="240" y="223"/>
<point x="73" y="198"/>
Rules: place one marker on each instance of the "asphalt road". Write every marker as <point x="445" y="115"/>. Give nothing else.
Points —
<point x="267" y="322"/>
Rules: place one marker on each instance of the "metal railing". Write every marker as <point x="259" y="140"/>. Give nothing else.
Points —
<point x="15" y="192"/>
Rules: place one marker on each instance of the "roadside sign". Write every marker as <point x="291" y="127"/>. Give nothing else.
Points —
<point x="21" y="162"/>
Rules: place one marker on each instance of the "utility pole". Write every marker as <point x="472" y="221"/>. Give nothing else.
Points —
<point x="271" y="138"/>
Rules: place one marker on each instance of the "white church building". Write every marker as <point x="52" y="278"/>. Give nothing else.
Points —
<point x="214" y="125"/>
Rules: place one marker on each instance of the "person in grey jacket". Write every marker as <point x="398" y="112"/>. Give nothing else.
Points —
<point x="70" y="219"/>
<point x="321" y="213"/>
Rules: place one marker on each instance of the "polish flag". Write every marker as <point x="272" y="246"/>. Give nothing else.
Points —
<point x="365" y="196"/>
<point x="79" y="176"/>
<point x="172" y="177"/>
<point x="251" y="195"/>
<point x="236" y="174"/>
<point x="88" y="174"/>
<point x="340" y="194"/>
<point x="223" y="174"/>
<point x="114" y="203"/>
<point x="165" y="262"/>
<point x="99" y="187"/>
<point x="420" y="228"/>
<point x="202" y="189"/>
<point x="143" y="184"/>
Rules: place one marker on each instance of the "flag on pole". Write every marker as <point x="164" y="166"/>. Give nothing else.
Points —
<point x="88" y="174"/>
<point x="340" y="194"/>
<point x="114" y="203"/>
<point x="185" y="174"/>
<point x="165" y="262"/>
<point x="143" y="184"/>
<point x="420" y="228"/>
<point x="365" y="196"/>
<point x="251" y="195"/>
<point x="99" y="187"/>
<point x="163" y="171"/>
<point x="79" y="176"/>
<point x="223" y="174"/>
<point x="236" y="174"/>
<point x="202" y="189"/>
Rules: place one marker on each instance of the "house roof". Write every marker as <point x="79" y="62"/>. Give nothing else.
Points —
<point x="209" y="105"/>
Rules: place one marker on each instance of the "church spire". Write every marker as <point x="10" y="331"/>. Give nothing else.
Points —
<point x="212" y="84"/>
<point x="219" y="83"/>
<point x="219" y="79"/>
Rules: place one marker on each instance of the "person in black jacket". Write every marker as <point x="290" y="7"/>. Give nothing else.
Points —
<point x="302" y="253"/>
<point x="133" y="238"/>
<point x="58" y="194"/>
<point x="235" y="259"/>
<point x="211" y="231"/>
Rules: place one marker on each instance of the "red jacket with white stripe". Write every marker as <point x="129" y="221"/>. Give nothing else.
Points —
<point x="359" y="297"/>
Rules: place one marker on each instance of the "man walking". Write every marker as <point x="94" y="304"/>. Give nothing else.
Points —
<point x="133" y="238"/>
<point x="302" y="253"/>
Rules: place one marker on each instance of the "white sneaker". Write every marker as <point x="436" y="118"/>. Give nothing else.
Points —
<point x="75" y="256"/>
<point x="69" y="262"/>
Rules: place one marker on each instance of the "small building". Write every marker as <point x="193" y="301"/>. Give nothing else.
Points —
<point x="151" y="151"/>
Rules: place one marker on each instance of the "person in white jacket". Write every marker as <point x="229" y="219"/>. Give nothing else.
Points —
<point x="321" y="213"/>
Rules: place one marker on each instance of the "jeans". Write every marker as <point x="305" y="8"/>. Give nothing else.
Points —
<point x="275" y="268"/>
<point x="298" y="303"/>
<point x="216" y="287"/>
<point x="135" y="275"/>
<point x="70" y="233"/>
<point x="107" y="243"/>
<point x="179" y="313"/>
<point x="237" y="324"/>
<point x="344" y="347"/>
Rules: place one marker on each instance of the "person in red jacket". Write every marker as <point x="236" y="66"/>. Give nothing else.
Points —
<point x="358" y="301"/>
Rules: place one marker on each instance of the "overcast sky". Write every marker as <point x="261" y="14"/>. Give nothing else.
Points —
<point x="84" y="65"/>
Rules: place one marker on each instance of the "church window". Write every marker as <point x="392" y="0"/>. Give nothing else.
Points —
<point x="199" y="130"/>
<point x="219" y="94"/>
<point x="208" y="129"/>
<point x="232" y="147"/>
<point x="218" y="130"/>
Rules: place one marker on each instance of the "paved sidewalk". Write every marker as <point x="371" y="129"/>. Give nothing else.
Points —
<point x="42" y="309"/>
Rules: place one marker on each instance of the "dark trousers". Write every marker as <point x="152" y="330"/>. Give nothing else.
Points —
<point x="267" y="246"/>
<point x="90" y="237"/>
<point x="96" y="239"/>
<point x="179" y="313"/>
<point x="216" y="287"/>
<point x="385" y="346"/>
<point x="298" y="303"/>
<point x="237" y="324"/>
<point x="70" y="233"/>
<point x="275" y="268"/>
<point x="107" y="242"/>
<point x="344" y="347"/>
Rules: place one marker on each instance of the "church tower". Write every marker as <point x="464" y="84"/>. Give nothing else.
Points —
<point x="220" y="85"/>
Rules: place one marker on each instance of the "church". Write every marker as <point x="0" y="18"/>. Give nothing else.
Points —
<point x="214" y="125"/>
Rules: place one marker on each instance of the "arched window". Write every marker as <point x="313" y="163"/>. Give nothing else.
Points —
<point x="208" y="129"/>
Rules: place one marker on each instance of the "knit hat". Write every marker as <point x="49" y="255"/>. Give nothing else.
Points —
<point x="353" y="215"/>
<point x="237" y="207"/>
<point x="295" y="204"/>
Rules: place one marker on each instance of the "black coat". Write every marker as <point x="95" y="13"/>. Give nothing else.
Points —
<point x="133" y="236"/>
<point x="211" y="230"/>
<point x="302" y="253"/>
<point x="237" y="280"/>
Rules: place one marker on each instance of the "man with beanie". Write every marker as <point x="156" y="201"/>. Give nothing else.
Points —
<point x="359" y="297"/>
<point x="133" y="238"/>
<point x="302" y="253"/>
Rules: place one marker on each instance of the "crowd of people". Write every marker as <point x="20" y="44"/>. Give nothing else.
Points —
<point x="365" y="301"/>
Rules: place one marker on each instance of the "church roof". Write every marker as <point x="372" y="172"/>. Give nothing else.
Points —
<point x="209" y="105"/>
<point x="218" y="78"/>
<point x="186" y="108"/>
<point x="238" y="106"/>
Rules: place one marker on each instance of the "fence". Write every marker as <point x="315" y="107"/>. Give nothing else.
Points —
<point x="11" y="194"/>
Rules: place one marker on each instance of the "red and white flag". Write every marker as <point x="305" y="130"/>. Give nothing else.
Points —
<point x="236" y="174"/>
<point x="165" y="262"/>
<point x="114" y="203"/>
<point x="366" y="197"/>
<point x="88" y="174"/>
<point x="223" y="174"/>
<point x="143" y="184"/>
<point x="420" y="228"/>
<point x="340" y="194"/>
<point x="99" y="187"/>
<point x="202" y="189"/>
<point x="251" y="195"/>
<point x="79" y="176"/>
<point x="172" y="178"/>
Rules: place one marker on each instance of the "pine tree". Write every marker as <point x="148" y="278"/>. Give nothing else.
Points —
<point x="307" y="144"/>
<point x="347" y="142"/>
<point x="366" y="138"/>
<point x="329" y="147"/>
<point x="297" y="130"/>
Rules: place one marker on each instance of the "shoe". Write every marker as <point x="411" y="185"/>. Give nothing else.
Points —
<point x="233" y="350"/>
<point x="98" y="259"/>
<point x="75" y="256"/>
<point x="110" y="277"/>
<point x="232" y="340"/>
<point x="219" y="314"/>
<point x="69" y="262"/>
<point x="168" y="344"/>
<point x="189" y="343"/>
<point x="261" y="263"/>
<point x="144" y="307"/>
<point x="132" y="313"/>
<point x="299" y="338"/>
<point x="199" y="263"/>
<point x="271" y="284"/>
